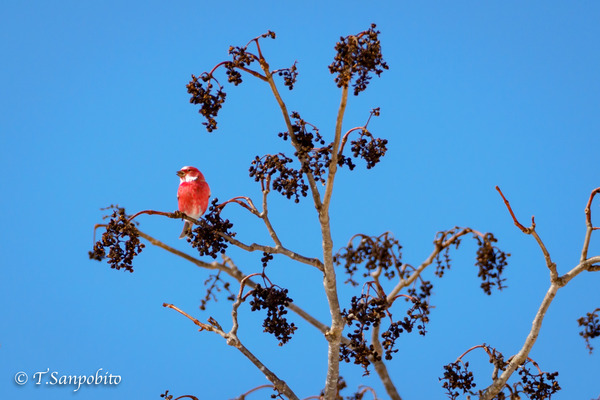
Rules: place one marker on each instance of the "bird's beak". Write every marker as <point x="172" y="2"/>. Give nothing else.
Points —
<point x="180" y="174"/>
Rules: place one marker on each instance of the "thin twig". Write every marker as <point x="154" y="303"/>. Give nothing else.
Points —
<point x="440" y="245"/>
<point x="274" y="250"/>
<point x="531" y="231"/>
<point x="234" y="341"/>
<point x="589" y="227"/>
<point x="243" y="396"/>
<point x="512" y="214"/>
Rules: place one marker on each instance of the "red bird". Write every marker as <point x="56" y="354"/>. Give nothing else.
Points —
<point x="192" y="195"/>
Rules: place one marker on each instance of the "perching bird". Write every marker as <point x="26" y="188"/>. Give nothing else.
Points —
<point x="192" y="195"/>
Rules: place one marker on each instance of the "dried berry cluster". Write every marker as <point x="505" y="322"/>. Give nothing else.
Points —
<point x="422" y="294"/>
<point x="366" y="312"/>
<point x="210" y="101"/>
<point x="457" y="379"/>
<point x="491" y="262"/>
<point x="373" y="253"/>
<point x="490" y="259"/>
<point x="306" y="136"/>
<point x="208" y="236"/>
<point x="122" y="240"/>
<point x="275" y="301"/>
<point x="215" y="285"/>
<point x="241" y="58"/>
<point x="356" y="57"/>
<point x="289" y="75"/>
<point x="417" y="314"/>
<point x="540" y="386"/>
<point x="443" y="258"/>
<point x="591" y="324"/>
<point x="367" y="147"/>
<point x="285" y="180"/>
<point x="266" y="258"/>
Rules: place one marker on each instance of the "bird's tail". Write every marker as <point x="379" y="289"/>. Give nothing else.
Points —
<point x="187" y="230"/>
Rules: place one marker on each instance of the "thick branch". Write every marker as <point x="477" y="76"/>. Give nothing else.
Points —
<point x="336" y="144"/>
<point x="556" y="283"/>
<point x="288" y="123"/>
<point x="252" y="247"/>
<point x="381" y="368"/>
<point x="280" y="385"/>
<point x="334" y="335"/>
<point x="521" y="356"/>
<point x="265" y="217"/>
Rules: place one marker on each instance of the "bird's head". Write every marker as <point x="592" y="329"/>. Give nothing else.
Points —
<point x="188" y="174"/>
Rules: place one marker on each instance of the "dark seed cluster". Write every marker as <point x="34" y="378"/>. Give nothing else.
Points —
<point x="591" y="327"/>
<point x="457" y="379"/>
<point x="285" y="180"/>
<point x="417" y="314"/>
<point x="491" y="262"/>
<point x="423" y="293"/>
<point x="266" y="258"/>
<point x="210" y="99"/>
<point x="307" y="137"/>
<point x="241" y="58"/>
<point x="367" y="311"/>
<point x="370" y="254"/>
<point x="356" y="58"/>
<point x="275" y="301"/>
<point x="490" y="259"/>
<point x="364" y="312"/>
<point x="122" y="241"/>
<point x="207" y="237"/>
<point x="443" y="258"/>
<point x="368" y="148"/>
<point x="289" y="76"/>
<point x="539" y="386"/>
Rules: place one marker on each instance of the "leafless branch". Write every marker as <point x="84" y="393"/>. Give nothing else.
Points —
<point x="440" y="244"/>
<point x="234" y="341"/>
<point x="556" y="283"/>
<point x="335" y="332"/>
<point x="589" y="227"/>
<point x="243" y="396"/>
<point x="231" y="269"/>
<point x="288" y="122"/>
<point x="531" y="231"/>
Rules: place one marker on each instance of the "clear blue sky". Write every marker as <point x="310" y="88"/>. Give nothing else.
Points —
<point x="95" y="111"/>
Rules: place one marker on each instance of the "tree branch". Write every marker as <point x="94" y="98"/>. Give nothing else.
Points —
<point x="589" y="227"/>
<point x="531" y="231"/>
<point x="286" y="116"/>
<point x="235" y="273"/>
<point x="274" y="250"/>
<point x="556" y="283"/>
<point x="234" y="341"/>
<point x="491" y="392"/>
<point x="440" y="245"/>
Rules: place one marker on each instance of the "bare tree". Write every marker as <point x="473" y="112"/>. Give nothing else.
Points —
<point x="392" y="297"/>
